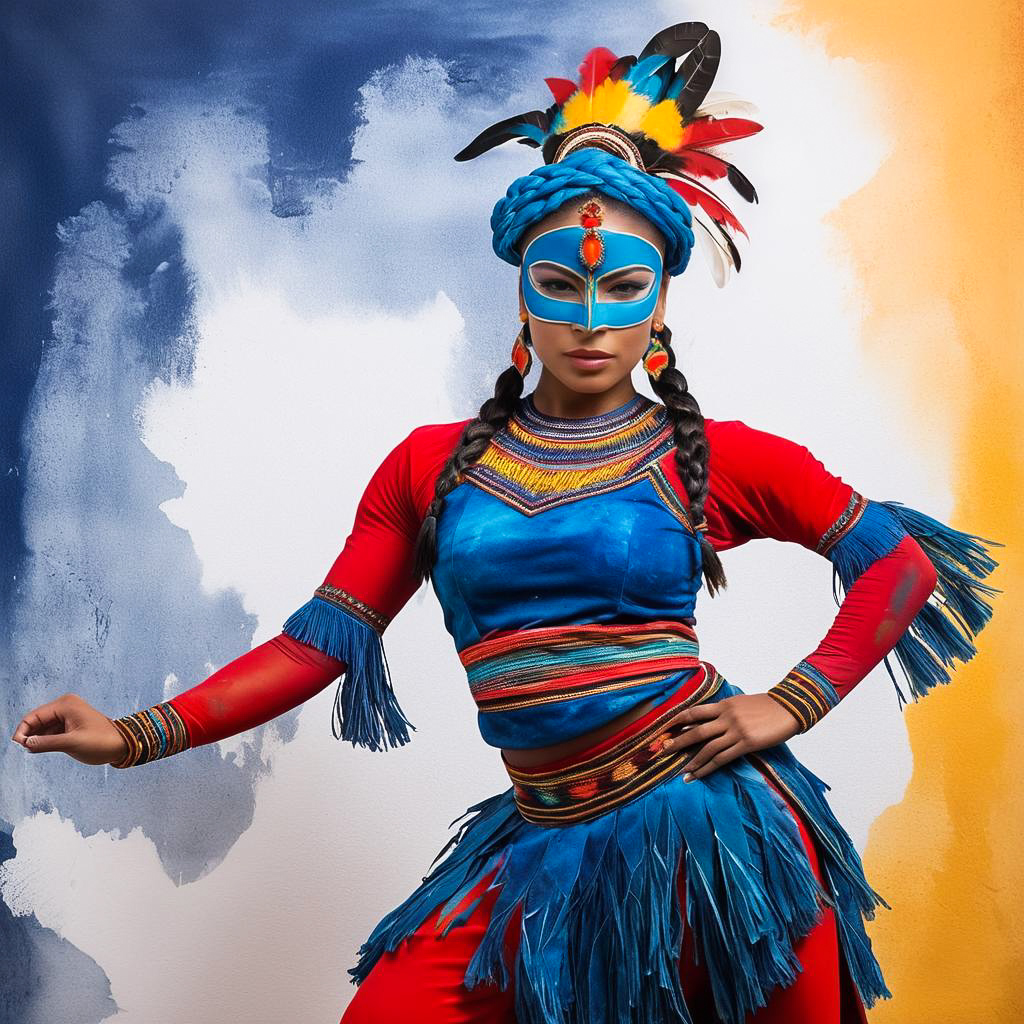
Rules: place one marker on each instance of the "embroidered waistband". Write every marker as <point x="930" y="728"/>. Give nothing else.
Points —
<point x="528" y="667"/>
<point x="615" y="771"/>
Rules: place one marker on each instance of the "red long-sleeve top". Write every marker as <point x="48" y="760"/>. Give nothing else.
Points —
<point x="761" y="485"/>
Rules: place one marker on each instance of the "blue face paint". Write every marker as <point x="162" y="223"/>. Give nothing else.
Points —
<point x="590" y="304"/>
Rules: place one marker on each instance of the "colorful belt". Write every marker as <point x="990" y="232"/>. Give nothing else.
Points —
<point x="526" y="667"/>
<point x="615" y="771"/>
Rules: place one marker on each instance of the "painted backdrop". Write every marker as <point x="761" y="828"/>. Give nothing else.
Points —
<point x="239" y="265"/>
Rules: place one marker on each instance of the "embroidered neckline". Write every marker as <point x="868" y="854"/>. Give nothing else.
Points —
<point x="536" y="461"/>
<point x="543" y="424"/>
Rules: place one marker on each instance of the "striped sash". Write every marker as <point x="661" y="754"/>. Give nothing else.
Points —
<point x="527" y="667"/>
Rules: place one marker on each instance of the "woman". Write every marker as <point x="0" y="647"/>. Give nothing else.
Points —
<point x="661" y="855"/>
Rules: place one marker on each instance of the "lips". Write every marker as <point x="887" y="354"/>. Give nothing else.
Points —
<point x="588" y="353"/>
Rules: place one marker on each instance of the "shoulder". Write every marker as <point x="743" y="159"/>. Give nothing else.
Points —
<point x="425" y="450"/>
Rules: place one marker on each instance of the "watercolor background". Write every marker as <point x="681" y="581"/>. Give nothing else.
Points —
<point x="240" y="265"/>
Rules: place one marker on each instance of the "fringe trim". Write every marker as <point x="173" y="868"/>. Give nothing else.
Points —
<point x="366" y="710"/>
<point x="943" y="631"/>
<point x="600" y="926"/>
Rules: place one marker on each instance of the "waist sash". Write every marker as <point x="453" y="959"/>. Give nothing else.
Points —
<point x="614" y="771"/>
<point x="528" y="667"/>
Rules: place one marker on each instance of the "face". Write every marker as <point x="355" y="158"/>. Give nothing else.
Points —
<point x="591" y="295"/>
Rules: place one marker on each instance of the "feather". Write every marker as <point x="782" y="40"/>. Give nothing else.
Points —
<point x="676" y="40"/>
<point x="503" y="131"/>
<point x="708" y="165"/>
<point x="663" y="124"/>
<point x="561" y="88"/>
<point x="620" y="68"/>
<point x="714" y="244"/>
<point x="711" y="131"/>
<point x="595" y="67"/>
<point x="699" y="82"/>
<point x="697" y="194"/>
<point x="726" y="104"/>
<point x="643" y="76"/>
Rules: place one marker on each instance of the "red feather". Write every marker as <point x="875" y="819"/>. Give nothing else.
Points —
<point x="595" y="67"/>
<point x="696" y="194"/>
<point x="561" y="88"/>
<point x="707" y="165"/>
<point x="710" y="131"/>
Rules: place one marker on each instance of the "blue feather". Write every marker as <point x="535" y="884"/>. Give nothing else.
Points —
<point x="643" y="77"/>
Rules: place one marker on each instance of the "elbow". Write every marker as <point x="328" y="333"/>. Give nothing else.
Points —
<point x="917" y="580"/>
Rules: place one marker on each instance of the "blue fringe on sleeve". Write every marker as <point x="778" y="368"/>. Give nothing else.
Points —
<point x="944" y="630"/>
<point x="366" y="711"/>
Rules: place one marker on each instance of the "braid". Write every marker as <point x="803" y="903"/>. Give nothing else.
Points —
<point x="692" y="454"/>
<point x="476" y="435"/>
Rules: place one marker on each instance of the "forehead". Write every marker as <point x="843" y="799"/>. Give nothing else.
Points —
<point x="615" y="217"/>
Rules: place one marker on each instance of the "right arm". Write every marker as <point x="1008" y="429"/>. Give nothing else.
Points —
<point x="337" y="632"/>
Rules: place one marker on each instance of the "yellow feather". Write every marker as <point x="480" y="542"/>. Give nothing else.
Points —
<point x="609" y="99"/>
<point x="611" y="103"/>
<point x="634" y="110"/>
<point x="664" y="124"/>
<point x="576" y="111"/>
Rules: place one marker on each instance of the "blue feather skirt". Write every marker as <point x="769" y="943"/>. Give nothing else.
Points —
<point x="601" y="923"/>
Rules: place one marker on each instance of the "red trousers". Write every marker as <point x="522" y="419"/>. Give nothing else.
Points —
<point x="422" y="979"/>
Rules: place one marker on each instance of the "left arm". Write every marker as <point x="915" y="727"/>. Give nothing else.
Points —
<point x="889" y="559"/>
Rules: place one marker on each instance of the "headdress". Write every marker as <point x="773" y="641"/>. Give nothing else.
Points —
<point x="643" y="130"/>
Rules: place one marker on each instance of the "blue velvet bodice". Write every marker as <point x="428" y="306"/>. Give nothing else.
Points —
<point x="593" y="536"/>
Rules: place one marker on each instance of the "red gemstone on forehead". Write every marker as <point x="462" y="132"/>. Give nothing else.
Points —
<point x="591" y="212"/>
<point x="592" y="250"/>
<point x="590" y="222"/>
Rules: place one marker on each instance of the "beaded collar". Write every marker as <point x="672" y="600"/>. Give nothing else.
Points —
<point x="538" y="461"/>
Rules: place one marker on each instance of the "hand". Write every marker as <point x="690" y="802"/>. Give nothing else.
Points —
<point x="730" y="728"/>
<point x="73" y="726"/>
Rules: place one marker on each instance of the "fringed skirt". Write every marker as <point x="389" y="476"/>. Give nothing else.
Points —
<point x="587" y="851"/>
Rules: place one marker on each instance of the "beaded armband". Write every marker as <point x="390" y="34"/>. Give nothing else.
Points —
<point x="153" y="733"/>
<point x="806" y="694"/>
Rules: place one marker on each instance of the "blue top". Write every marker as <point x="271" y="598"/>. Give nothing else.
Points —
<point x="516" y="548"/>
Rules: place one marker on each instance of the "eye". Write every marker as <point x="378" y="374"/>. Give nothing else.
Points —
<point x="557" y="286"/>
<point x="628" y="288"/>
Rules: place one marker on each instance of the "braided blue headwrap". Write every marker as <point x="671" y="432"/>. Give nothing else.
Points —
<point x="533" y="196"/>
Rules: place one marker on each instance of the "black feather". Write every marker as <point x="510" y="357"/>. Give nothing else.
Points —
<point x="620" y="67"/>
<point x="676" y="40"/>
<point x="709" y="51"/>
<point x="741" y="183"/>
<point x="503" y="131"/>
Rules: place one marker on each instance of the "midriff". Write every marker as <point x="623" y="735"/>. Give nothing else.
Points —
<point x="539" y="755"/>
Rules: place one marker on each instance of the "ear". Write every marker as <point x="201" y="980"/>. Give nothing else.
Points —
<point x="659" y="309"/>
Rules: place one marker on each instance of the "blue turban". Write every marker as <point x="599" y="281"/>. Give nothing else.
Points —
<point x="533" y="196"/>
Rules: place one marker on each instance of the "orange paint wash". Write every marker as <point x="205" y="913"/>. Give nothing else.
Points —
<point x="947" y="857"/>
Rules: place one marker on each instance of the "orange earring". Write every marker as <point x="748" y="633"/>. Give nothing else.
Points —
<point x="522" y="360"/>
<point x="656" y="356"/>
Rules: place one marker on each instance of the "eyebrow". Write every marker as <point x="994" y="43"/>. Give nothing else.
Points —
<point x="629" y="270"/>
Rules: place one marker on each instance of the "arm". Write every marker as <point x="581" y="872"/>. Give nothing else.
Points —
<point x="338" y="630"/>
<point x="889" y="560"/>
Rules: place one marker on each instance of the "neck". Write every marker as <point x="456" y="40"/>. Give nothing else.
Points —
<point x="553" y="398"/>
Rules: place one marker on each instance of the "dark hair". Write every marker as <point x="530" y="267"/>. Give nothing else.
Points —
<point x="692" y="453"/>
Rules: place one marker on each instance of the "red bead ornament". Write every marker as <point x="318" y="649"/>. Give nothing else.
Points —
<point x="592" y="244"/>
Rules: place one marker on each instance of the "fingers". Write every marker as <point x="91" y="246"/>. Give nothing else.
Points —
<point x="698" y="713"/>
<point x="696" y="734"/>
<point x="711" y="756"/>
<point x="43" y="719"/>
<point x="62" y="741"/>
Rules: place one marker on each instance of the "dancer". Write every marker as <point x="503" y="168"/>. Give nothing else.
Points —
<point x="661" y="855"/>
